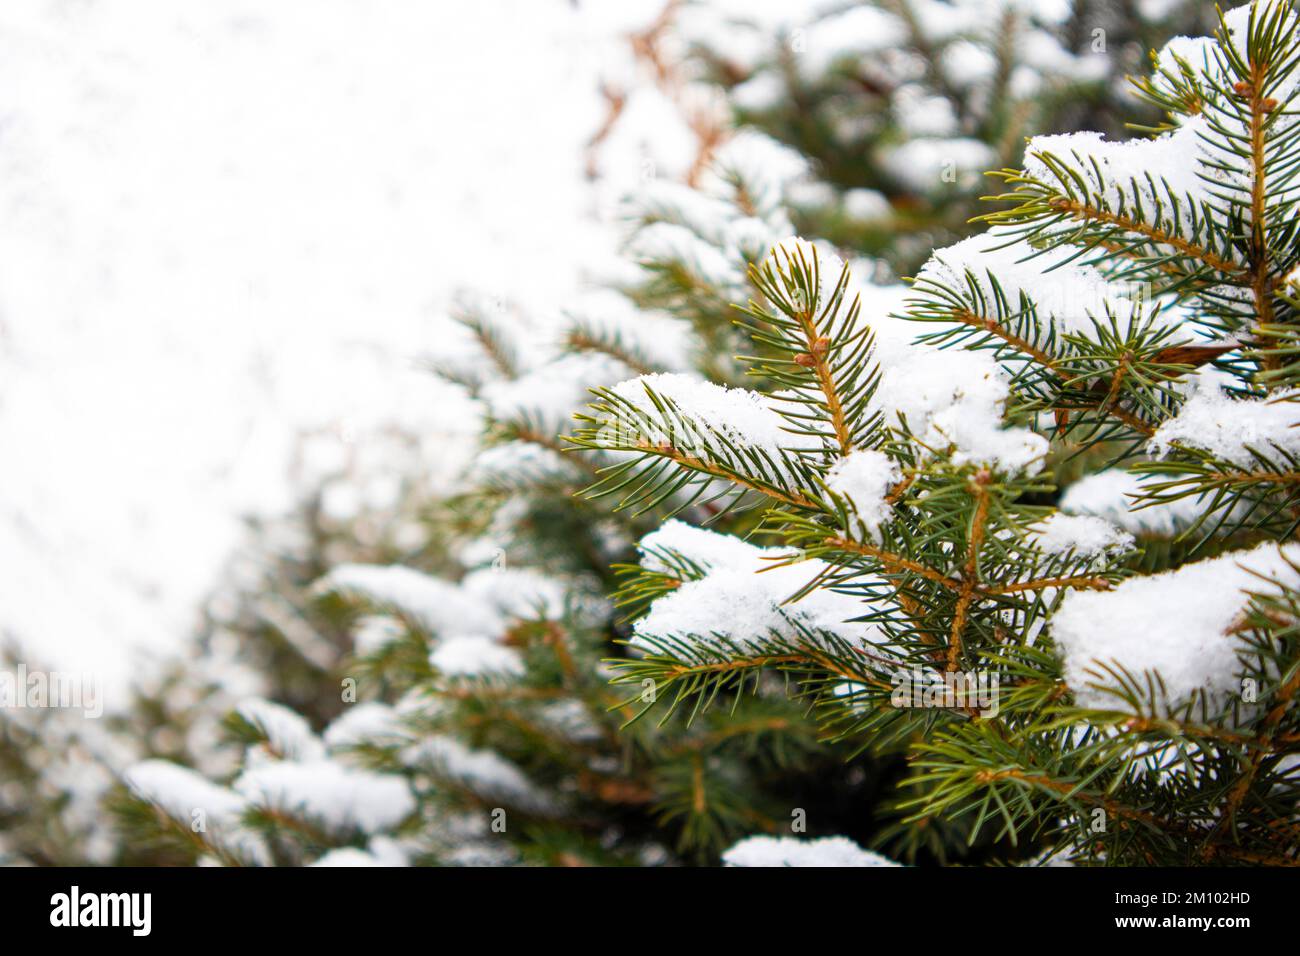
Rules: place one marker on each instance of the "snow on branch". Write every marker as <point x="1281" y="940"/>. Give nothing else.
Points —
<point x="1235" y="430"/>
<point x="691" y="436"/>
<point x="954" y="404"/>
<point x="865" y="479"/>
<point x="544" y="399"/>
<point x="791" y="851"/>
<point x="739" y="416"/>
<point x="466" y="621"/>
<point x="366" y="723"/>
<point x="675" y="545"/>
<point x="1155" y="188"/>
<point x="1178" y="624"/>
<point x="483" y="772"/>
<point x="328" y="793"/>
<point x="438" y="606"/>
<point x="1117" y="496"/>
<point x="287" y="734"/>
<point x="747" y="600"/>
<point x="1082" y="536"/>
<point x="188" y="798"/>
<point x="645" y="341"/>
<point x="991" y="274"/>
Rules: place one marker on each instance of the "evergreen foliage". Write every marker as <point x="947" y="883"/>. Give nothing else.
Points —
<point x="473" y="677"/>
<point x="995" y="567"/>
<point x="1123" y="321"/>
<point x="904" y="103"/>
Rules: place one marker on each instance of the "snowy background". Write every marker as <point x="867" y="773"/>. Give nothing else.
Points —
<point x="224" y="223"/>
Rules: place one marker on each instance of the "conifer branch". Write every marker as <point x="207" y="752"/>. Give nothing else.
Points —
<point x="970" y="573"/>
<point x="1084" y="212"/>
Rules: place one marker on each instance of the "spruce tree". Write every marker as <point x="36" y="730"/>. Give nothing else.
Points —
<point x="1039" y="538"/>
<point x="471" y="721"/>
<point x="441" y="695"/>
<point x="903" y="104"/>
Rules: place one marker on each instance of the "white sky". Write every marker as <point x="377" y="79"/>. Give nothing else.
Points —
<point x="224" y="220"/>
